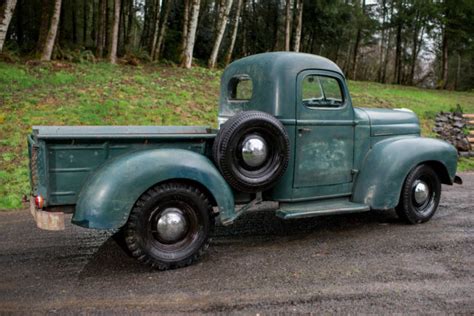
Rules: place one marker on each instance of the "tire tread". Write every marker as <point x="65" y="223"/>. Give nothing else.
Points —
<point x="131" y="233"/>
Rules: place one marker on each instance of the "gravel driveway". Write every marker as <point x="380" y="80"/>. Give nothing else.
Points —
<point x="366" y="262"/>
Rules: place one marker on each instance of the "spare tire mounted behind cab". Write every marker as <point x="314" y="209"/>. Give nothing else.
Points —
<point x="252" y="151"/>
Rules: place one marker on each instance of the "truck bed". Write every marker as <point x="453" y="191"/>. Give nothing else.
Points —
<point x="62" y="157"/>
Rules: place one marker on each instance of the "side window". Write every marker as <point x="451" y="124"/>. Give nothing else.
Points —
<point x="240" y="88"/>
<point x="322" y="92"/>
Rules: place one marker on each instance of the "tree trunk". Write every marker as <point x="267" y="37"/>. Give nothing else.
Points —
<point x="114" y="35"/>
<point x="355" y="55"/>
<point x="53" y="29"/>
<point x="184" y="35"/>
<point x="93" y="23"/>
<point x="398" y="49"/>
<point x="444" y="69"/>
<point x="188" y="51"/>
<point x="129" y="35"/>
<point x="244" y="29"/>
<point x="235" y="29"/>
<point x="44" y="25"/>
<point x="164" y="24"/>
<point x="85" y="11"/>
<point x="387" y="51"/>
<point x="73" y="21"/>
<point x="107" y="26"/>
<point x="122" y="28"/>
<point x="101" y="27"/>
<point x="382" y="40"/>
<point x="220" y="33"/>
<point x="347" y="62"/>
<point x="383" y="79"/>
<point x="6" y="13"/>
<point x="299" y="25"/>
<point x="156" y="28"/>
<point x="276" y="25"/>
<point x="398" y="53"/>
<point x="288" y="23"/>
<point x="218" y="6"/>
<point x="356" y="46"/>
<point x="417" y="42"/>
<point x="146" y="23"/>
<point x="458" y="72"/>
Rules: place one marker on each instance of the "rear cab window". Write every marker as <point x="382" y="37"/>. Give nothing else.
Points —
<point x="240" y="88"/>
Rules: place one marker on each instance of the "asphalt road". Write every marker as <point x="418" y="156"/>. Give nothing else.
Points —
<point x="366" y="262"/>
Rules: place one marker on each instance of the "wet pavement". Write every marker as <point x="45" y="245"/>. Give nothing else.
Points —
<point x="365" y="262"/>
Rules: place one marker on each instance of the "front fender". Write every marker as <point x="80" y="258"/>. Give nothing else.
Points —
<point x="108" y="196"/>
<point x="387" y="165"/>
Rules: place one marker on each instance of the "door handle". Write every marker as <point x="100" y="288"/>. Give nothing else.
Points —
<point x="304" y="130"/>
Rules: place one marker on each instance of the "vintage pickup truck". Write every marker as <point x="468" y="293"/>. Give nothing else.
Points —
<point x="289" y="138"/>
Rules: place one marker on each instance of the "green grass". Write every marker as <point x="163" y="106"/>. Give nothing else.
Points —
<point x="425" y="103"/>
<point x="103" y="94"/>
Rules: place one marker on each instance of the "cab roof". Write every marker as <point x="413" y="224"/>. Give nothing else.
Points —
<point x="273" y="77"/>
<point x="285" y="62"/>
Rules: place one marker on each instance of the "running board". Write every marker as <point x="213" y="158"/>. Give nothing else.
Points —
<point x="319" y="208"/>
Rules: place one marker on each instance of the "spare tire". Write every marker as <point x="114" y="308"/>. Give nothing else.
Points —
<point x="252" y="151"/>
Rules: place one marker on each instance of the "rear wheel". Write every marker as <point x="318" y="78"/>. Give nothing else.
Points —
<point x="420" y="195"/>
<point x="169" y="226"/>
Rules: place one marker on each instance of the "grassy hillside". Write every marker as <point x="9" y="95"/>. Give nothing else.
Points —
<point x="101" y="94"/>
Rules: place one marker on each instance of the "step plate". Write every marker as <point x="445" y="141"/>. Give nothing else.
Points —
<point x="319" y="208"/>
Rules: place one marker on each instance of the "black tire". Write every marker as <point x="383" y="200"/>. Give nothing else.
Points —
<point x="227" y="151"/>
<point x="411" y="211"/>
<point x="143" y="239"/>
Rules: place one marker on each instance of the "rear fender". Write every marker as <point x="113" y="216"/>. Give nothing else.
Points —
<point x="109" y="194"/>
<point x="387" y="165"/>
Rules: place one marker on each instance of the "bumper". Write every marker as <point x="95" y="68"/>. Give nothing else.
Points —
<point x="46" y="220"/>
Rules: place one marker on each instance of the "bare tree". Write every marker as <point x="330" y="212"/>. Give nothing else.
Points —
<point x="235" y="29"/>
<point x="114" y="35"/>
<point x="288" y="19"/>
<point x="223" y="17"/>
<point x="6" y="13"/>
<point x="188" y="51"/>
<point x="299" y="25"/>
<point x="53" y="29"/>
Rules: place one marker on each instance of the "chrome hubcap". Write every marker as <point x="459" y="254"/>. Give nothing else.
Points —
<point x="254" y="151"/>
<point x="421" y="192"/>
<point x="172" y="225"/>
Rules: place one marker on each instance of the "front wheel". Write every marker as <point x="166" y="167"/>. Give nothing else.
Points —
<point x="420" y="195"/>
<point x="169" y="226"/>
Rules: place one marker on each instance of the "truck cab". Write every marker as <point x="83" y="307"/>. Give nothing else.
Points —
<point x="288" y="137"/>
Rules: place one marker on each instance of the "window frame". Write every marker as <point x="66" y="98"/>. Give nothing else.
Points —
<point x="231" y="86"/>
<point x="327" y="75"/>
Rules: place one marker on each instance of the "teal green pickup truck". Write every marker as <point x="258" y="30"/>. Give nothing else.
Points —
<point x="289" y="139"/>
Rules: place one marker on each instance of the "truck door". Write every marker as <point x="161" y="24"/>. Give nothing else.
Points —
<point x="324" y="130"/>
